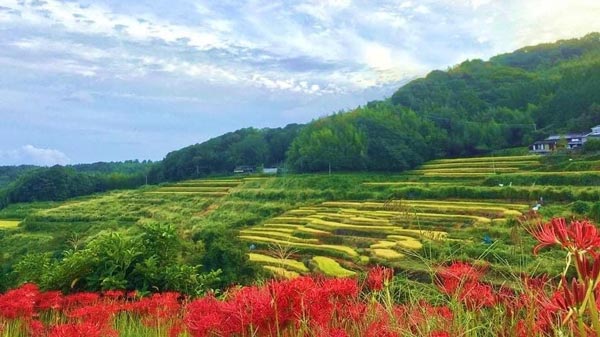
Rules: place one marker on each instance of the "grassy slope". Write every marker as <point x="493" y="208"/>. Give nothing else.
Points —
<point x="372" y="214"/>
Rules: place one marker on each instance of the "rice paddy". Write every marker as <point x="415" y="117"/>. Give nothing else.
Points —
<point x="288" y="264"/>
<point x="385" y="231"/>
<point x="331" y="267"/>
<point x="9" y="224"/>
<point x="337" y="224"/>
<point x="392" y="231"/>
<point x="210" y="188"/>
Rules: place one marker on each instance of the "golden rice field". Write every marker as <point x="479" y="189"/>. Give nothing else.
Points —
<point x="208" y="188"/>
<point x="9" y="224"/>
<point x="367" y="231"/>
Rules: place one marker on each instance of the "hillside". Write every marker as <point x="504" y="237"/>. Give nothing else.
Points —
<point x="295" y="224"/>
<point x="470" y="109"/>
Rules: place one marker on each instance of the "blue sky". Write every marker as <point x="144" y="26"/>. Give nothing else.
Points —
<point x="86" y="81"/>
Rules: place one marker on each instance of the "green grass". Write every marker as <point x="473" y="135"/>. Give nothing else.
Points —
<point x="331" y="267"/>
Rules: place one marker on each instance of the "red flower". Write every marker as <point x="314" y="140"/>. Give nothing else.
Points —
<point x="577" y="236"/>
<point x="49" y="300"/>
<point x="438" y="333"/>
<point x="36" y="328"/>
<point x="379" y="277"/>
<point x="19" y="302"/>
<point x="85" y="329"/>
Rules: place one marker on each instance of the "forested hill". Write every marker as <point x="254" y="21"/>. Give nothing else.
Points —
<point x="220" y="155"/>
<point x="472" y="108"/>
<point x="33" y="183"/>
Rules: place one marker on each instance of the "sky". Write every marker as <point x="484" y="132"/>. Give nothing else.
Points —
<point x="109" y="80"/>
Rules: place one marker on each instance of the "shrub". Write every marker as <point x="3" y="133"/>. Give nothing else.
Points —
<point x="580" y="207"/>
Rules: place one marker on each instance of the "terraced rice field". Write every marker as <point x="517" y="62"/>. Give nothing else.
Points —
<point x="477" y="167"/>
<point x="208" y="188"/>
<point x="355" y="233"/>
<point x="331" y="267"/>
<point x="361" y="232"/>
<point x="9" y="224"/>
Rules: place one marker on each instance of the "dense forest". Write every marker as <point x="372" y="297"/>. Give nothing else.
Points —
<point x="470" y="109"/>
<point x="30" y="183"/>
<point x="220" y="155"/>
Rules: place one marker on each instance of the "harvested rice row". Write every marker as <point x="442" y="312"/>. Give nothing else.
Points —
<point x="468" y="170"/>
<point x="290" y="264"/>
<point x="282" y="272"/>
<point x="277" y="235"/>
<point x="331" y="267"/>
<point x="523" y="163"/>
<point x="344" y="250"/>
<point x="9" y="224"/>
<point x="490" y="159"/>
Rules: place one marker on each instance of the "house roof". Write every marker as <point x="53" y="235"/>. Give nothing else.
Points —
<point x="567" y="136"/>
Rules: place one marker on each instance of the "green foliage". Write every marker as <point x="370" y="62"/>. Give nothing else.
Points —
<point x="149" y="261"/>
<point x="9" y="174"/>
<point x="222" y="154"/>
<point x="225" y="252"/>
<point x="580" y="207"/>
<point x="60" y="183"/>
<point x="592" y="146"/>
<point x="595" y="212"/>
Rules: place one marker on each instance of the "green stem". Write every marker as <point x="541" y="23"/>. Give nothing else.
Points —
<point x="594" y="313"/>
<point x="581" y="326"/>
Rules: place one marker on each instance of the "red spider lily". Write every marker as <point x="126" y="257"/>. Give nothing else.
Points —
<point x="80" y="300"/>
<point x="86" y="329"/>
<point x="550" y="233"/>
<point x="379" y="277"/>
<point x="157" y="309"/>
<point x="577" y="236"/>
<point x="99" y="314"/>
<point x="249" y="308"/>
<point x="36" y="328"/>
<point x="50" y="300"/>
<point x="333" y="333"/>
<point x="574" y="294"/>
<point x="588" y="267"/>
<point x="477" y="295"/>
<point x="204" y="317"/>
<point x="584" y="236"/>
<point x="451" y="278"/>
<point x="440" y="334"/>
<point x="380" y="329"/>
<point x="114" y="294"/>
<point x="19" y="302"/>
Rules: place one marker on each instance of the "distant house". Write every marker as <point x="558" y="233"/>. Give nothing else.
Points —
<point x="244" y="169"/>
<point x="595" y="134"/>
<point x="570" y="141"/>
<point x="270" y="170"/>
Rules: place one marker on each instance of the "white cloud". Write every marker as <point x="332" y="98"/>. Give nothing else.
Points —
<point x="29" y="154"/>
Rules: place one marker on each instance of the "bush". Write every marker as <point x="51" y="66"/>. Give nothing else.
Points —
<point x="580" y="207"/>
<point x="594" y="213"/>
<point x="591" y="146"/>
